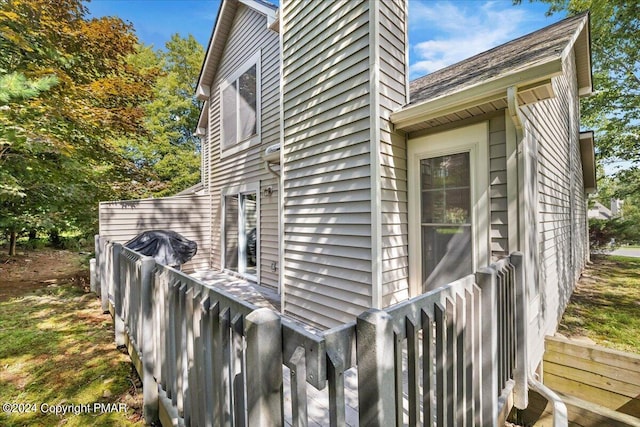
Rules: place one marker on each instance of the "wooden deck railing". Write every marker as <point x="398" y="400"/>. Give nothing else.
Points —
<point x="208" y="358"/>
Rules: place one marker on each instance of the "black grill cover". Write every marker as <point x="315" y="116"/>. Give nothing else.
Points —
<point x="165" y="246"/>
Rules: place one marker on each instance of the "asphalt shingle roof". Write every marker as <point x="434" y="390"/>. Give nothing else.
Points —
<point x="537" y="47"/>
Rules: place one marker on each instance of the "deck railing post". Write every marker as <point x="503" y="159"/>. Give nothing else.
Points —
<point x="117" y="296"/>
<point x="486" y="279"/>
<point x="95" y="287"/>
<point x="107" y="261"/>
<point x="521" y="388"/>
<point x="149" y="386"/>
<point x="92" y="275"/>
<point x="375" y="356"/>
<point x="263" y="333"/>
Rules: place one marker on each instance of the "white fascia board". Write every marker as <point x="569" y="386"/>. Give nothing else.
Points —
<point x="224" y="7"/>
<point x="203" y="120"/>
<point x="203" y="89"/>
<point x="587" y="155"/>
<point x="574" y="38"/>
<point x="203" y="92"/>
<point x="585" y="91"/>
<point x="269" y="12"/>
<point x="582" y="32"/>
<point x="480" y="93"/>
<point x="275" y="25"/>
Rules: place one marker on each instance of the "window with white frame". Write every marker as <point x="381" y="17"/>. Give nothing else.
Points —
<point x="239" y="107"/>
<point x="448" y="205"/>
<point x="240" y="230"/>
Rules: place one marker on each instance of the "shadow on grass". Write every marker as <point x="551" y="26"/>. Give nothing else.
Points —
<point x="605" y="305"/>
<point x="57" y="349"/>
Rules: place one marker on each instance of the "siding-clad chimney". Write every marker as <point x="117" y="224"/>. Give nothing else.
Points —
<point x="344" y="170"/>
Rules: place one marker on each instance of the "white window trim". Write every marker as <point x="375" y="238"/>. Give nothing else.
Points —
<point x="253" y="187"/>
<point x="473" y="139"/>
<point x="246" y="143"/>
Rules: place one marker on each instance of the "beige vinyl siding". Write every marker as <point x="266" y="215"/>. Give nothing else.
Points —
<point x="326" y="171"/>
<point x="393" y="153"/>
<point x="562" y="237"/>
<point x="499" y="233"/>
<point x="580" y="241"/>
<point x="269" y="254"/>
<point x="248" y="34"/>
<point x="188" y="215"/>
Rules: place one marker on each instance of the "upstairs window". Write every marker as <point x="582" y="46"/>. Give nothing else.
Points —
<point x="239" y="106"/>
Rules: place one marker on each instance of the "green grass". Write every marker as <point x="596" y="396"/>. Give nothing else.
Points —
<point x="57" y="349"/>
<point x="605" y="305"/>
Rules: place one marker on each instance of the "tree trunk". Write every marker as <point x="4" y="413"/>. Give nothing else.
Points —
<point x="13" y="238"/>
<point x="54" y="238"/>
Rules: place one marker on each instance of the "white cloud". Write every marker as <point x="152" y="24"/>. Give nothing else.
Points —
<point x="445" y="32"/>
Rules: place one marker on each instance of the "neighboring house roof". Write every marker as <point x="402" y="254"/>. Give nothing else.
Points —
<point x="599" y="211"/>
<point x="198" y="188"/>
<point x="527" y="63"/>
<point x="221" y="29"/>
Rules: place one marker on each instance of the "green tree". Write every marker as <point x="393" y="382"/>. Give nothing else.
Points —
<point x="15" y="87"/>
<point x="613" y="111"/>
<point x="607" y="234"/>
<point x="170" y="149"/>
<point x="67" y="91"/>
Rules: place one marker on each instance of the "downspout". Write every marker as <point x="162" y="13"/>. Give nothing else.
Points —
<point x="514" y="112"/>
<point x="560" y="418"/>
<point x="267" y="166"/>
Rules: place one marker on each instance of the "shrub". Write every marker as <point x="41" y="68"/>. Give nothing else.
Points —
<point x="607" y="234"/>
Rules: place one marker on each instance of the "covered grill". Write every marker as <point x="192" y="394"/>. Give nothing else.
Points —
<point x="165" y="246"/>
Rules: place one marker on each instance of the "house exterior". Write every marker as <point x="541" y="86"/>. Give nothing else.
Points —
<point x="599" y="211"/>
<point x="334" y="180"/>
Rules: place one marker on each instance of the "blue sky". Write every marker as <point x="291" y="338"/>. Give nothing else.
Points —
<point x="440" y="32"/>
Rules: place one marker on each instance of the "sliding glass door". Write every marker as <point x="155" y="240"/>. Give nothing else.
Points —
<point x="240" y="233"/>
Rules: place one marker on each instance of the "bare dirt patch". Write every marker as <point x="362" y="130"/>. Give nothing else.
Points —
<point x="30" y="271"/>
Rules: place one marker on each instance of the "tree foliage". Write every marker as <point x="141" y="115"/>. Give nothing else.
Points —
<point x="88" y="114"/>
<point x="608" y="234"/>
<point x="171" y="149"/>
<point x="67" y="90"/>
<point x="613" y="111"/>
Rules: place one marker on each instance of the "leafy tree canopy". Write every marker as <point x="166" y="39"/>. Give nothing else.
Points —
<point x="613" y="111"/>
<point x="67" y="89"/>
<point x="88" y="114"/>
<point x="169" y="150"/>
